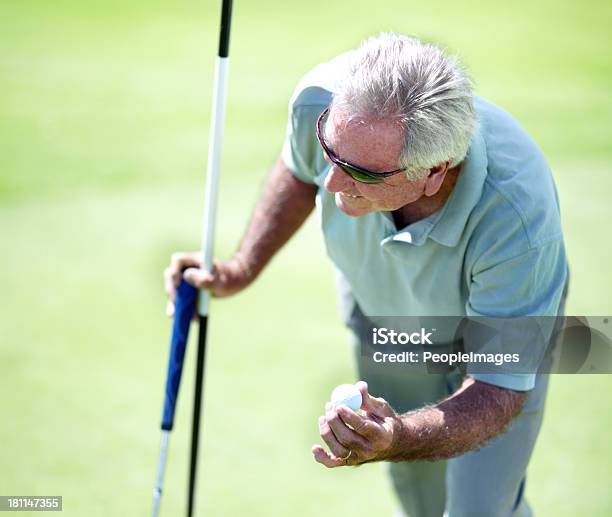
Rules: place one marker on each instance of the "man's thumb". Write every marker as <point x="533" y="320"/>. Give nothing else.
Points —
<point x="198" y="278"/>
<point x="373" y="405"/>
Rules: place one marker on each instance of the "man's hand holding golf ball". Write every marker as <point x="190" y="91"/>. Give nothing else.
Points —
<point x="463" y="421"/>
<point x="357" y="437"/>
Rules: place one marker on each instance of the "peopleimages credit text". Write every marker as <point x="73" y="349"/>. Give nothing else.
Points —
<point x="450" y="359"/>
<point x="384" y="336"/>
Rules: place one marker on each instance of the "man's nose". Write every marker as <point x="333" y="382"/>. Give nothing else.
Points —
<point x="337" y="180"/>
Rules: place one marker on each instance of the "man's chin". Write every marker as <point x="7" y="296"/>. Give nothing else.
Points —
<point x="346" y="207"/>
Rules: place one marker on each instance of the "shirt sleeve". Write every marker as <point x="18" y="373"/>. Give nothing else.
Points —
<point x="301" y="148"/>
<point x="517" y="300"/>
<point x="296" y="147"/>
<point x="301" y="152"/>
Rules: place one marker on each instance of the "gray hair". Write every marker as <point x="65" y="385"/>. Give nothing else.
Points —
<point x="428" y="92"/>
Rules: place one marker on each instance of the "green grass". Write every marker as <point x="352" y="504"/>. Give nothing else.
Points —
<point x="104" y="114"/>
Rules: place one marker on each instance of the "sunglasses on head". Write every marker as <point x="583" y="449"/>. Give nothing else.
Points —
<point x="354" y="171"/>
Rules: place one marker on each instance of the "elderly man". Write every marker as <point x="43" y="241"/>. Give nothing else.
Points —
<point x="433" y="202"/>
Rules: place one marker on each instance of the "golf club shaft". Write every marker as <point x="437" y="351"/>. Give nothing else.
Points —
<point x="161" y="467"/>
<point x="208" y="231"/>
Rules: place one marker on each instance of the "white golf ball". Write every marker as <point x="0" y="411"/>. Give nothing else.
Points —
<point x="348" y="395"/>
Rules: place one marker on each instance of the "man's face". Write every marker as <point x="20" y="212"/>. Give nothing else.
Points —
<point x="374" y="145"/>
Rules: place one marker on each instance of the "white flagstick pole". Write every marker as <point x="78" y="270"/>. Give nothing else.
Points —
<point x="208" y="230"/>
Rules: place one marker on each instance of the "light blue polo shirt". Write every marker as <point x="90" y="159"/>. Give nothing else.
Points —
<point x="494" y="249"/>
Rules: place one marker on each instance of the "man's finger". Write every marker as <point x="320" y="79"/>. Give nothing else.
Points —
<point x="345" y="435"/>
<point x="178" y="263"/>
<point x="374" y="405"/>
<point x="171" y="282"/>
<point x="169" y="309"/>
<point x="330" y="439"/>
<point x="184" y="259"/>
<point x="325" y="458"/>
<point x="359" y="424"/>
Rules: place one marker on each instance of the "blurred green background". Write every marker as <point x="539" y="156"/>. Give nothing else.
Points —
<point x="104" y="113"/>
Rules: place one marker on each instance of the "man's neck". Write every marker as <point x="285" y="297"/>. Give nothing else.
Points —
<point x="427" y="205"/>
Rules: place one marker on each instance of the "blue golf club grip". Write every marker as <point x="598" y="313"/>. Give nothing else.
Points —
<point x="186" y="297"/>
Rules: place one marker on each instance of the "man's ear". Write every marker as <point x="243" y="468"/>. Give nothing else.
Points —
<point x="436" y="176"/>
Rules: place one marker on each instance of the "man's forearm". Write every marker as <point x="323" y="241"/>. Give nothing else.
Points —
<point x="283" y="206"/>
<point x="464" y="421"/>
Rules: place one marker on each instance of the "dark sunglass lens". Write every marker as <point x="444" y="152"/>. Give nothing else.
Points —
<point x="360" y="176"/>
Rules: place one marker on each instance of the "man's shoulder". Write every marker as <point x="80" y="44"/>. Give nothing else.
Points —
<point x="519" y="189"/>
<point x="509" y="147"/>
